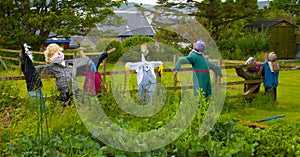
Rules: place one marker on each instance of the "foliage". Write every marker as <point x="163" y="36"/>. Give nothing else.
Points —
<point x="131" y="45"/>
<point x="135" y="40"/>
<point x="290" y="7"/>
<point x="217" y="15"/>
<point x="9" y="96"/>
<point x="248" y="45"/>
<point x="35" y="21"/>
<point x="171" y="39"/>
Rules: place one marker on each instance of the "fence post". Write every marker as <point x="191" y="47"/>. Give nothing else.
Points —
<point x="175" y="75"/>
<point x="104" y="71"/>
<point x="219" y="64"/>
<point x="20" y="63"/>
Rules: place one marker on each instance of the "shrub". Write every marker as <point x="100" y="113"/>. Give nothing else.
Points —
<point x="250" y="44"/>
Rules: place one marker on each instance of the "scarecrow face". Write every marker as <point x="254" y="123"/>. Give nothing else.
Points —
<point x="26" y="47"/>
<point x="57" y="57"/>
<point x="53" y="53"/>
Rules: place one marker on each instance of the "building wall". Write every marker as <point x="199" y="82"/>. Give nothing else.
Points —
<point x="283" y="40"/>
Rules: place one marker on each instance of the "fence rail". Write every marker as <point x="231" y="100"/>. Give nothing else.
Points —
<point x="229" y="85"/>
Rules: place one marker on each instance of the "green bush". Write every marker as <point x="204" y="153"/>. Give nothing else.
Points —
<point x="248" y="45"/>
<point x="251" y="44"/>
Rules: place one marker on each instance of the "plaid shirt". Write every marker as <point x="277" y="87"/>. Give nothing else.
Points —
<point x="64" y="74"/>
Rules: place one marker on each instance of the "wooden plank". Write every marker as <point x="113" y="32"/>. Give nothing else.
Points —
<point x="235" y="88"/>
<point x="243" y="82"/>
<point x="254" y="81"/>
<point x="16" y="59"/>
<point x="169" y="88"/>
<point x="6" y="78"/>
<point x="228" y="61"/>
<point x="42" y="53"/>
<point x="231" y="76"/>
<point x="234" y="83"/>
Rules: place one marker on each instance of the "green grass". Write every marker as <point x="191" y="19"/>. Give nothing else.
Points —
<point x="287" y="101"/>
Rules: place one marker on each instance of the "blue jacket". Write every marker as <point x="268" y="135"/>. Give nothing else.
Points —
<point x="270" y="79"/>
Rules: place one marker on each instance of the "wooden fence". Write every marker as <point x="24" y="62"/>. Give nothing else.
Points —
<point x="231" y="64"/>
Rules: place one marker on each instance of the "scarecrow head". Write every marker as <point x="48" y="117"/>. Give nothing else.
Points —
<point x="53" y="54"/>
<point x="27" y="50"/>
<point x="200" y="46"/>
<point x="272" y="57"/>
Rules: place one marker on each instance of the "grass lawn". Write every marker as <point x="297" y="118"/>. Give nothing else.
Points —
<point x="287" y="103"/>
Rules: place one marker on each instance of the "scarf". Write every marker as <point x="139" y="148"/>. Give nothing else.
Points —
<point x="274" y="67"/>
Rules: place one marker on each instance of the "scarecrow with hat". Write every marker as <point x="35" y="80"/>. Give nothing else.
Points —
<point x="201" y="66"/>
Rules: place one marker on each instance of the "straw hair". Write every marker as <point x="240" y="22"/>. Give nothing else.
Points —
<point x="51" y="50"/>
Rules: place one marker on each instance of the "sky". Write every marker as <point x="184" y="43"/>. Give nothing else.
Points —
<point x="153" y="2"/>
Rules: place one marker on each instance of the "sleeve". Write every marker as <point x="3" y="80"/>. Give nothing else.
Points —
<point x="79" y="62"/>
<point x="216" y="69"/>
<point x="156" y="63"/>
<point x="99" y="59"/>
<point x="44" y="69"/>
<point x="132" y="66"/>
<point x="183" y="60"/>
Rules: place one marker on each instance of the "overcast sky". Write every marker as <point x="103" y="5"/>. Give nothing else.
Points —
<point x="153" y="2"/>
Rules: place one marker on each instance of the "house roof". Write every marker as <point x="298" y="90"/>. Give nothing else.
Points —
<point x="49" y="41"/>
<point x="136" y="24"/>
<point x="268" y="23"/>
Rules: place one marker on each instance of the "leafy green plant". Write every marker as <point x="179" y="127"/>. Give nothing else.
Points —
<point x="250" y="44"/>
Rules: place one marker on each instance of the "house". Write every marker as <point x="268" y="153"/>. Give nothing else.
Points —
<point x="136" y="24"/>
<point x="282" y="36"/>
<point x="61" y="42"/>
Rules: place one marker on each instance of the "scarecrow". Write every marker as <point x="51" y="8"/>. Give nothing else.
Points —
<point x="270" y="74"/>
<point x="34" y="88"/>
<point x="63" y="70"/>
<point x="146" y="78"/>
<point x="254" y="72"/>
<point x="201" y="66"/>
<point x="93" y="81"/>
<point x="33" y="80"/>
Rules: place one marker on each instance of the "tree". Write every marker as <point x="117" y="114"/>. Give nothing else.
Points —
<point x="285" y="9"/>
<point x="37" y="20"/>
<point x="217" y="16"/>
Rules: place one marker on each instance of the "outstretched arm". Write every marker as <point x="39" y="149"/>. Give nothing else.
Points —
<point x="99" y="59"/>
<point x="216" y="69"/>
<point x="181" y="61"/>
<point x="133" y="66"/>
<point x="43" y="69"/>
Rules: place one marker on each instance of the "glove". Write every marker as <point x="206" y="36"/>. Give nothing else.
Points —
<point x="160" y="69"/>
